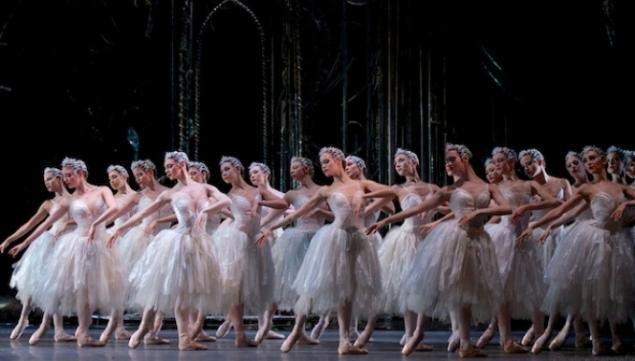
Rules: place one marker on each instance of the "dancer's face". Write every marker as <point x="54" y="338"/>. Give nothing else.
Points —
<point x="530" y="165"/>
<point x="403" y="166"/>
<point x="72" y="178"/>
<point x="575" y="168"/>
<point x="52" y="183"/>
<point x="454" y="164"/>
<point x="593" y="162"/>
<point x="143" y="178"/>
<point x="352" y="169"/>
<point x="614" y="163"/>
<point x="630" y="168"/>
<point x="229" y="173"/>
<point x="492" y="174"/>
<point x="196" y="175"/>
<point x="330" y="166"/>
<point x="117" y="181"/>
<point x="172" y="169"/>
<point x="501" y="163"/>
<point x="297" y="171"/>
<point x="257" y="176"/>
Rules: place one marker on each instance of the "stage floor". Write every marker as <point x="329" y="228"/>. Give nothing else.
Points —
<point x="384" y="347"/>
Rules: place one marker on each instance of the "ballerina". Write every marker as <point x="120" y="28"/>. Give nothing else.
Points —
<point x="159" y="280"/>
<point x="85" y="275"/>
<point x="340" y="269"/>
<point x="575" y="168"/>
<point x="247" y="271"/>
<point x="30" y="272"/>
<point x="520" y="265"/>
<point x="602" y="248"/>
<point x="398" y="248"/>
<point x="446" y="275"/>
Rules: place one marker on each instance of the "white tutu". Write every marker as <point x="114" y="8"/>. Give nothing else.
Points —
<point x="77" y="265"/>
<point x="456" y="266"/>
<point x="396" y="255"/>
<point x="247" y="271"/>
<point x="32" y="270"/>
<point x="288" y="253"/>
<point x="593" y="274"/>
<point x="177" y="265"/>
<point x="520" y="268"/>
<point x="340" y="266"/>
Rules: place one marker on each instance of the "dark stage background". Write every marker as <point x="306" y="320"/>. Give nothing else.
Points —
<point x="267" y="79"/>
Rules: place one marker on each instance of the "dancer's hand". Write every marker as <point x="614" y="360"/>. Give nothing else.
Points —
<point x="468" y="217"/>
<point x="426" y="228"/>
<point x="619" y="212"/>
<point x="149" y="229"/>
<point x="545" y="235"/>
<point x="91" y="233"/>
<point x="525" y="235"/>
<point x="517" y="214"/>
<point x="263" y="237"/>
<point x="375" y="227"/>
<point x="13" y="252"/>
<point x="4" y="245"/>
<point x="116" y="233"/>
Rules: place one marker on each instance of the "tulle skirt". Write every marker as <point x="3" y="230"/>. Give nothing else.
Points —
<point x="83" y="270"/>
<point x="247" y="271"/>
<point x="452" y="268"/>
<point x="592" y="273"/>
<point x="288" y="253"/>
<point x="521" y="269"/>
<point x="340" y="266"/>
<point x="396" y="255"/>
<point x="177" y="265"/>
<point x="32" y="270"/>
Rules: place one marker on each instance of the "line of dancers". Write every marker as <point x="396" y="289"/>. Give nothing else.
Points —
<point x="469" y="252"/>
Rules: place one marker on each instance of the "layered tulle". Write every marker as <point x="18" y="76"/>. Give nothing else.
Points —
<point x="83" y="270"/>
<point x="454" y="267"/>
<point x="340" y="266"/>
<point x="288" y="253"/>
<point x="178" y="265"/>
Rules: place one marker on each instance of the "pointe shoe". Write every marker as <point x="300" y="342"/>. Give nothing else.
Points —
<point x="528" y="338"/>
<point x="514" y="347"/>
<point x="348" y="349"/>
<point x="291" y="340"/>
<point x="618" y="347"/>
<point x="558" y="341"/>
<point x="223" y="329"/>
<point x="540" y="343"/>
<point x="411" y="344"/>
<point x="242" y="341"/>
<point x="403" y="340"/>
<point x="422" y="347"/>
<point x="272" y="335"/>
<point x="317" y="331"/>
<point x="35" y="337"/>
<point x="485" y="338"/>
<point x="189" y="345"/>
<point x="62" y="337"/>
<point x="598" y="348"/>
<point x="122" y="335"/>
<point x="454" y="342"/>
<point x="135" y="340"/>
<point x="88" y="341"/>
<point x="155" y="340"/>
<point x="203" y="337"/>
<point x="471" y="352"/>
<point x="18" y="330"/>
